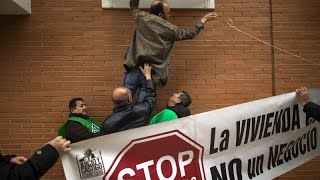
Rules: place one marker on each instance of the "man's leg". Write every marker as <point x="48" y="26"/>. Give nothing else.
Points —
<point x="142" y="88"/>
<point x="131" y="80"/>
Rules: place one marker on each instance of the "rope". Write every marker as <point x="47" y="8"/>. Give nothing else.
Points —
<point x="230" y="23"/>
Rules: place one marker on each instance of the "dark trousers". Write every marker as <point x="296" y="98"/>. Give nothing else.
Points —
<point x="135" y="80"/>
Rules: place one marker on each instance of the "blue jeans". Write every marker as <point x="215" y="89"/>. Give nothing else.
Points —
<point x="134" y="80"/>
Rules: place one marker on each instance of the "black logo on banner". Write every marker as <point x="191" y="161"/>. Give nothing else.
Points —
<point x="90" y="164"/>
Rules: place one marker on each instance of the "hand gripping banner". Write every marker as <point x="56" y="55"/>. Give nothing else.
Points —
<point x="256" y="140"/>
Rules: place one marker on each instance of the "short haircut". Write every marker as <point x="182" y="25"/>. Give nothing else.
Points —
<point x="157" y="7"/>
<point x="185" y="99"/>
<point x="73" y="103"/>
<point x="122" y="97"/>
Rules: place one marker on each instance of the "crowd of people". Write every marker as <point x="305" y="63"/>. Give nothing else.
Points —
<point x="147" y="66"/>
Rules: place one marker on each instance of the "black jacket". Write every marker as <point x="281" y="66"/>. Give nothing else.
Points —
<point x="32" y="169"/>
<point x="180" y="110"/>
<point x="76" y="132"/>
<point x="312" y="110"/>
<point x="128" y="116"/>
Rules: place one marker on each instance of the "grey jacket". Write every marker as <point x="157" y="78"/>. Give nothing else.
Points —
<point x="153" y="41"/>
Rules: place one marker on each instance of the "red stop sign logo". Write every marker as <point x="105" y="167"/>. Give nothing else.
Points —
<point x="167" y="156"/>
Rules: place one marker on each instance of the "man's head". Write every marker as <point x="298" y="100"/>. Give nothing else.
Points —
<point x="182" y="98"/>
<point x="78" y="106"/>
<point x="160" y="8"/>
<point x="121" y="95"/>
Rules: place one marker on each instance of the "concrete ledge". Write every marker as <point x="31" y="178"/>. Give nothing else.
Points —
<point x="176" y="4"/>
<point x="15" y="7"/>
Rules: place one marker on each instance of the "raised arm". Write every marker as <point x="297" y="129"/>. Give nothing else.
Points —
<point x="310" y="108"/>
<point x="135" y="11"/>
<point x="184" y="34"/>
<point x="209" y="17"/>
<point x="303" y="95"/>
<point x="150" y="99"/>
<point x="134" y="4"/>
<point x="146" y="71"/>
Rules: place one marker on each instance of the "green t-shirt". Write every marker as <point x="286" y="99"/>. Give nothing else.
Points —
<point x="163" y="116"/>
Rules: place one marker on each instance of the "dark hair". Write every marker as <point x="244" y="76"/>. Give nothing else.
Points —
<point x="185" y="99"/>
<point x="156" y="8"/>
<point x="73" y="102"/>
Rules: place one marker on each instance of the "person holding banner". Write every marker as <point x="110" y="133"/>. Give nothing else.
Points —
<point x="127" y="115"/>
<point x="152" y="43"/>
<point x="310" y="108"/>
<point x="20" y="168"/>
<point x="177" y="107"/>
<point x="79" y="126"/>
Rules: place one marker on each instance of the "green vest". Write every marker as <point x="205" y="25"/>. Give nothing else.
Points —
<point x="163" y="116"/>
<point x="91" y="125"/>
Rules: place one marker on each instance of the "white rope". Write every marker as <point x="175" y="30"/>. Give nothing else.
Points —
<point x="230" y="23"/>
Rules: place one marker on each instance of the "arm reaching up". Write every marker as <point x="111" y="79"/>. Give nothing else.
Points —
<point x="146" y="71"/>
<point x="209" y="17"/>
<point x="134" y="4"/>
<point x="310" y="108"/>
<point x="184" y="34"/>
<point x="303" y="95"/>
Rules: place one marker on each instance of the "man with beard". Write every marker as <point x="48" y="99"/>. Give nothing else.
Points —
<point x="79" y="126"/>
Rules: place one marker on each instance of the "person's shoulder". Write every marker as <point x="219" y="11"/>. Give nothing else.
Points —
<point x="140" y="106"/>
<point x="71" y="124"/>
<point x="166" y="115"/>
<point x="140" y="15"/>
<point x="169" y="112"/>
<point x="310" y="105"/>
<point x="140" y="12"/>
<point x="158" y="21"/>
<point x="165" y="23"/>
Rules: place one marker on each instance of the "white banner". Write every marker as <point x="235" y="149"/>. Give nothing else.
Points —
<point x="257" y="140"/>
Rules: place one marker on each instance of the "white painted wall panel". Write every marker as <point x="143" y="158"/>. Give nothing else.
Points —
<point x="180" y="4"/>
<point x="15" y="7"/>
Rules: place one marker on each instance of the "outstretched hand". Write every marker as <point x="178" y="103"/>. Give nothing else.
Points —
<point x="146" y="71"/>
<point x="209" y="17"/>
<point x="60" y="144"/>
<point x="303" y="95"/>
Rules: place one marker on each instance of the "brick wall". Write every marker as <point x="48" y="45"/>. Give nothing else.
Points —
<point x="74" y="48"/>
